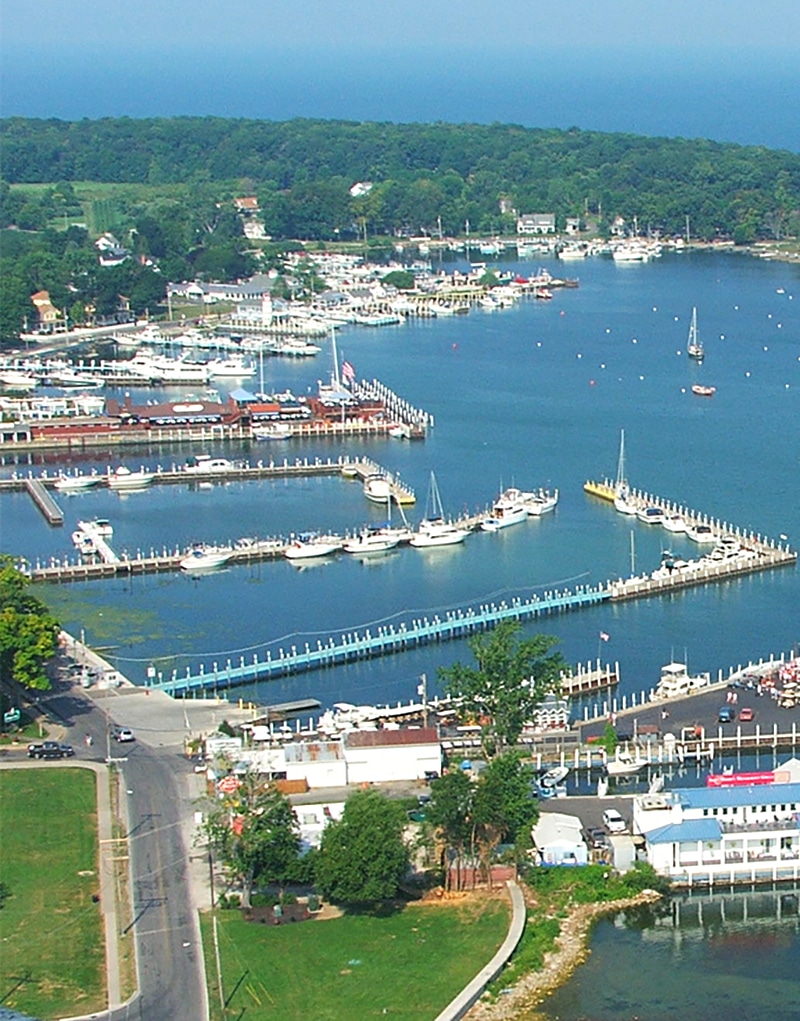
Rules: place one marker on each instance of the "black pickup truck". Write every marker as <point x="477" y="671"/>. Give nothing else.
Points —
<point x="50" y="750"/>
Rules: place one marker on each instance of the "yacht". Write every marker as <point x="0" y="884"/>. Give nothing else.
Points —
<point x="371" y="540"/>
<point x="378" y="488"/>
<point x="508" y="509"/>
<point x="674" y="523"/>
<point x="433" y="529"/>
<point x="701" y="533"/>
<point x="205" y="464"/>
<point x="651" y="515"/>
<point x="541" y="502"/>
<point x="75" y="483"/>
<point x="271" y="431"/>
<point x="98" y="526"/>
<point x="675" y="681"/>
<point x="235" y="367"/>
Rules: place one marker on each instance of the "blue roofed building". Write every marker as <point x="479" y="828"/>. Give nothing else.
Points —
<point x="722" y="835"/>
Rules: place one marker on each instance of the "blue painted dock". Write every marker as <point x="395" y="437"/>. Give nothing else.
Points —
<point x="349" y="646"/>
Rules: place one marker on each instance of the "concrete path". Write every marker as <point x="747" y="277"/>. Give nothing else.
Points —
<point x="469" y="995"/>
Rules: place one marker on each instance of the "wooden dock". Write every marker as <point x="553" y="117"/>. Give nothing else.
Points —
<point x="44" y="501"/>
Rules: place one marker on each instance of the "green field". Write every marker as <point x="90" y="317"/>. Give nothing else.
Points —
<point x="52" y="961"/>
<point x="408" y="964"/>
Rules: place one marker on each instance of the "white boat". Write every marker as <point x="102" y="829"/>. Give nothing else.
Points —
<point x="508" y="509"/>
<point x="271" y="431"/>
<point x="622" y="497"/>
<point x="378" y="488"/>
<point x="124" y="478"/>
<point x="310" y="544"/>
<point x="651" y="515"/>
<point x="694" y="347"/>
<point x="553" y="777"/>
<point x="13" y="379"/>
<point x="206" y="558"/>
<point x="205" y="464"/>
<point x="701" y="532"/>
<point x="675" y="681"/>
<point x="623" y="764"/>
<point x="235" y="367"/>
<point x="541" y="502"/>
<point x="371" y="541"/>
<point x="75" y="483"/>
<point x="674" y="523"/>
<point x="433" y="529"/>
<point x="99" y="526"/>
<point x="69" y="378"/>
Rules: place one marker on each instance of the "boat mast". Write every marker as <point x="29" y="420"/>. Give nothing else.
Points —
<point x="621" y="462"/>
<point x="633" y="555"/>
<point x="336" y="380"/>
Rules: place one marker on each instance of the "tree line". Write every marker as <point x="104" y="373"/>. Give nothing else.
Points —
<point x="425" y="177"/>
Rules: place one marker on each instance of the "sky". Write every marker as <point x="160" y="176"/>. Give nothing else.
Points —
<point x="727" y="69"/>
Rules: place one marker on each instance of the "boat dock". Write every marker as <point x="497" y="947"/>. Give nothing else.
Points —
<point x="585" y="680"/>
<point x="44" y="501"/>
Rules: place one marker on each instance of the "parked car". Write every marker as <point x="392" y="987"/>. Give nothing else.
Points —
<point x="613" y="821"/>
<point x="50" y="750"/>
<point x="596" y="837"/>
<point x="122" y="734"/>
<point x="746" y="714"/>
<point x="726" y="714"/>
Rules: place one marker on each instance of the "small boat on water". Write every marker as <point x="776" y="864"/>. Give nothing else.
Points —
<point x="371" y="541"/>
<point x="307" y="545"/>
<point x="623" y="764"/>
<point x="206" y="558"/>
<point x="99" y="526"/>
<point x="508" y="509"/>
<point x="674" y="523"/>
<point x="694" y="347"/>
<point x="651" y="515"/>
<point x="75" y="483"/>
<point x="704" y="391"/>
<point x="124" y="478"/>
<point x="378" y="488"/>
<point x="205" y="464"/>
<point x="701" y="533"/>
<point x="272" y="431"/>
<point x="433" y="529"/>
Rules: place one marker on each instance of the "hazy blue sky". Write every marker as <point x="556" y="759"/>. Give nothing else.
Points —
<point x="723" y="69"/>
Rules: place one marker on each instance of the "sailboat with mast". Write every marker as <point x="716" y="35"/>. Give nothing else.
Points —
<point x="694" y="347"/>
<point x="622" y="494"/>
<point x="433" y="529"/>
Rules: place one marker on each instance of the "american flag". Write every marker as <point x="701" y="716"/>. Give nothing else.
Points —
<point x="604" y="637"/>
<point x="348" y="372"/>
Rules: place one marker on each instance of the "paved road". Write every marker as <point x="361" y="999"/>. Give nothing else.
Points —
<point x="158" y="786"/>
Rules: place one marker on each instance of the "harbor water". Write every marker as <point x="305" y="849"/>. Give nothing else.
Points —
<point x="531" y="396"/>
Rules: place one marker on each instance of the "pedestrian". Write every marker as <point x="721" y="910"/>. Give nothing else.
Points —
<point x="88" y="740"/>
<point x="664" y="714"/>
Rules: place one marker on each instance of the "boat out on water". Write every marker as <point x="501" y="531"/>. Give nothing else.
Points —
<point x="623" y="764"/>
<point x="703" y="391"/>
<point x="694" y="346"/>
<point x="98" y="526"/>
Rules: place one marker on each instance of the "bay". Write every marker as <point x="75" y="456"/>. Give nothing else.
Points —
<point x="536" y="395"/>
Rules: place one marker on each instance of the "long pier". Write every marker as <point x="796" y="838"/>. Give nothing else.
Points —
<point x="350" y="646"/>
<point x="44" y="501"/>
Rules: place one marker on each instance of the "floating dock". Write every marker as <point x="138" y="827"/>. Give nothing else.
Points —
<point x="44" y="501"/>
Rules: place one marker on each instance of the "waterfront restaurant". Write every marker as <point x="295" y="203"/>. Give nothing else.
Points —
<point x="722" y="835"/>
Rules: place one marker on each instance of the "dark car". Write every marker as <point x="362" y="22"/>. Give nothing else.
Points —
<point x="50" y="750"/>
<point x="726" y="714"/>
<point x="596" y="837"/>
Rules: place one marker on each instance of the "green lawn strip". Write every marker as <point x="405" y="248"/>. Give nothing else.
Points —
<point x="408" y="964"/>
<point x="52" y="961"/>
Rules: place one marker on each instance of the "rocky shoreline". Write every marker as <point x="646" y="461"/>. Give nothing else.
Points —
<point x="572" y="950"/>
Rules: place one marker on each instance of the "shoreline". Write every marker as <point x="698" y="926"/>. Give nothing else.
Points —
<point x="559" y="965"/>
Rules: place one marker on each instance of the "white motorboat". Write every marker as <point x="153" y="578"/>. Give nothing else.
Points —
<point x="371" y="541"/>
<point x="206" y="558"/>
<point x="651" y="515"/>
<point x="540" y="503"/>
<point x="508" y="509"/>
<point x="75" y="483"/>
<point x="271" y="431"/>
<point x="433" y="529"/>
<point x="205" y="464"/>
<point x="307" y="545"/>
<point x="675" y="681"/>
<point x="124" y="478"/>
<point x="674" y="523"/>
<point x="14" y="379"/>
<point x="236" y="367"/>
<point x="701" y="532"/>
<point x="623" y="764"/>
<point x="99" y="526"/>
<point x="378" y="488"/>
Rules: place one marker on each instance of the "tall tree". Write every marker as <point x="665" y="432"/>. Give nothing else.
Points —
<point x="254" y="833"/>
<point x="510" y="678"/>
<point x="363" y="858"/>
<point x="450" y="815"/>
<point x="28" y="632"/>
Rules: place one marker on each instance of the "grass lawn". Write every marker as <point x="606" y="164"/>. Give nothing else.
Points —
<point x="407" y="965"/>
<point x="52" y="961"/>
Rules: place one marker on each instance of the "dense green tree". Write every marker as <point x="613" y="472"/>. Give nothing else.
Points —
<point x="402" y="279"/>
<point x="254" y="833"/>
<point x="363" y="858"/>
<point x="28" y="632"/>
<point x="510" y="678"/>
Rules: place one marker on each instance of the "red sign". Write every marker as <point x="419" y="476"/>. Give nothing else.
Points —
<point x="228" y="785"/>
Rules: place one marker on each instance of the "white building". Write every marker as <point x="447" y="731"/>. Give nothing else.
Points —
<point x="722" y="835"/>
<point x="378" y="756"/>
<point x="536" y="223"/>
<point x="559" y="839"/>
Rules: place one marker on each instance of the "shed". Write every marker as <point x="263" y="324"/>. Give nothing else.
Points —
<point x="559" y="839"/>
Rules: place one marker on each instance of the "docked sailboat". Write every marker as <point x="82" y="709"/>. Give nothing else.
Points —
<point x="433" y="529"/>
<point x="694" y="347"/>
<point x="622" y="498"/>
